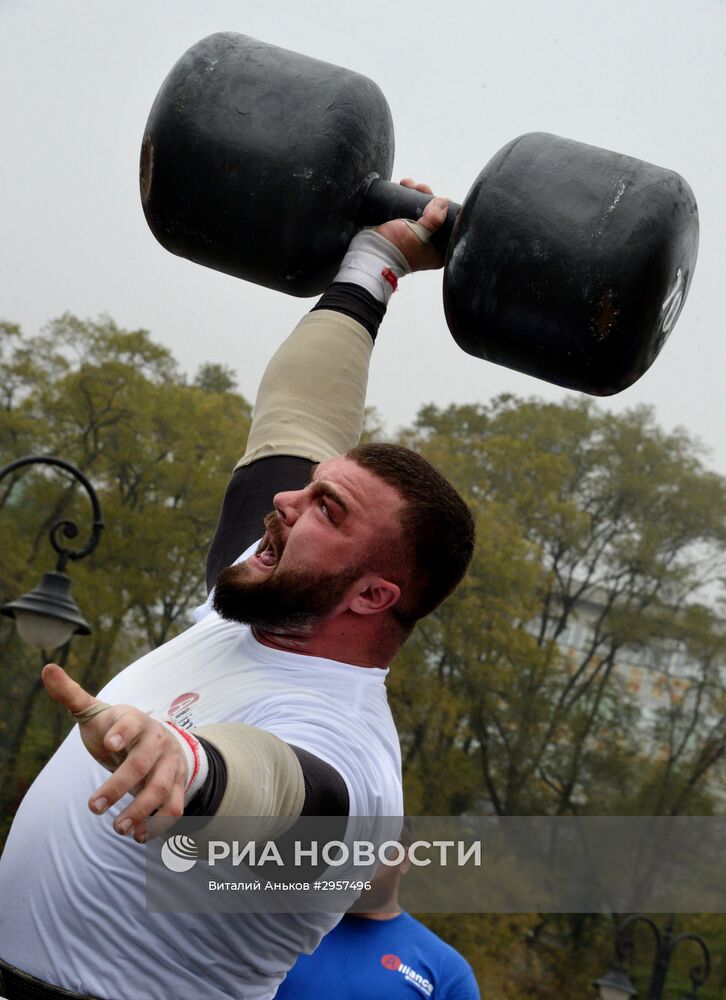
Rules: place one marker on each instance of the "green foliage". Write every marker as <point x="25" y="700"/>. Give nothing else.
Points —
<point x="158" y="451"/>
<point x="585" y="521"/>
<point x="215" y="378"/>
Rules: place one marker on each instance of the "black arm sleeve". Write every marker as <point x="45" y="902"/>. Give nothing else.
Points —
<point x="247" y="500"/>
<point x="250" y="491"/>
<point x="326" y="793"/>
<point x="353" y="301"/>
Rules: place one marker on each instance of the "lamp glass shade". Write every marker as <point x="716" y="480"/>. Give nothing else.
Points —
<point x="614" y="993"/>
<point x="43" y="631"/>
<point x="47" y="616"/>
<point x="615" y="986"/>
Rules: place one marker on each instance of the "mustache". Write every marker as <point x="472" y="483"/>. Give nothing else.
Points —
<point x="275" y="533"/>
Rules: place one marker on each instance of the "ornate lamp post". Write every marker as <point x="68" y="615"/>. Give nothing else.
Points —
<point x="617" y="986"/>
<point x="47" y="616"/>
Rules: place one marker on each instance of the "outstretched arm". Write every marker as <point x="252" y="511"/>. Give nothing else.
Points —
<point x="165" y="768"/>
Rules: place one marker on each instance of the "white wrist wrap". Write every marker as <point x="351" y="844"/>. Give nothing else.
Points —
<point x="374" y="263"/>
<point x="196" y="758"/>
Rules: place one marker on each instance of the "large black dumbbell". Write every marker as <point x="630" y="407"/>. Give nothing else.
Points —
<point x="565" y="261"/>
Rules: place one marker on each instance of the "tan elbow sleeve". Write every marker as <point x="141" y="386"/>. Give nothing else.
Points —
<point x="311" y="399"/>
<point x="264" y="777"/>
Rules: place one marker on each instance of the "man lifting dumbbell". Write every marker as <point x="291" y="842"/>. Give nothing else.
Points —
<point x="565" y="261"/>
<point x="287" y="717"/>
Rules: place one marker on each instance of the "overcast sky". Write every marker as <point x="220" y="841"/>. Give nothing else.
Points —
<point x="644" y="77"/>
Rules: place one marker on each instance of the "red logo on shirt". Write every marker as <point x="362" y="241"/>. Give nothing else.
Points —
<point x="179" y="709"/>
<point x="416" y="979"/>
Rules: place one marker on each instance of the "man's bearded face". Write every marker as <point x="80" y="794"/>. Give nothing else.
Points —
<point x="285" y="597"/>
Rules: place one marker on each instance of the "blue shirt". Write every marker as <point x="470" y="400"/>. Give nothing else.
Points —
<point x="361" y="959"/>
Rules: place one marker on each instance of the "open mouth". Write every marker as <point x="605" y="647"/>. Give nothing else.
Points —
<point x="266" y="553"/>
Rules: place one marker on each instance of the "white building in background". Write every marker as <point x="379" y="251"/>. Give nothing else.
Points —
<point x="654" y="675"/>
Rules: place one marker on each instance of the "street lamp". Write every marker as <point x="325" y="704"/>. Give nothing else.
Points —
<point x="47" y="616"/>
<point x="617" y="986"/>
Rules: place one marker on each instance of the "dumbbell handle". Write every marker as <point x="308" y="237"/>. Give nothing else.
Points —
<point x="384" y="201"/>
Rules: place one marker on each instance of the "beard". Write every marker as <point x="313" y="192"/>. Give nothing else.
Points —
<point x="286" y="599"/>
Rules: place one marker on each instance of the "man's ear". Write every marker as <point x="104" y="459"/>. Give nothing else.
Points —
<point x="373" y="594"/>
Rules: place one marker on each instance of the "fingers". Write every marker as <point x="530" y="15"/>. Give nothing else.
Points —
<point x="163" y="794"/>
<point x="434" y="215"/>
<point x="125" y="731"/>
<point x="154" y="772"/>
<point x="65" y="690"/>
<point x="170" y="811"/>
<point x="139" y="763"/>
<point x="410" y="183"/>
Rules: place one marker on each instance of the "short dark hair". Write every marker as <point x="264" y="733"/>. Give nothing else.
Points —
<point x="437" y="527"/>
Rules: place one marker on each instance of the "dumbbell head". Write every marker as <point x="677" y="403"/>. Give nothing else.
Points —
<point x="566" y="261"/>
<point x="255" y="161"/>
<point x="570" y="263"/>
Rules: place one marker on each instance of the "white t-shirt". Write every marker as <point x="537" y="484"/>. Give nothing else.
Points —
<point x="72" y="891"/>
